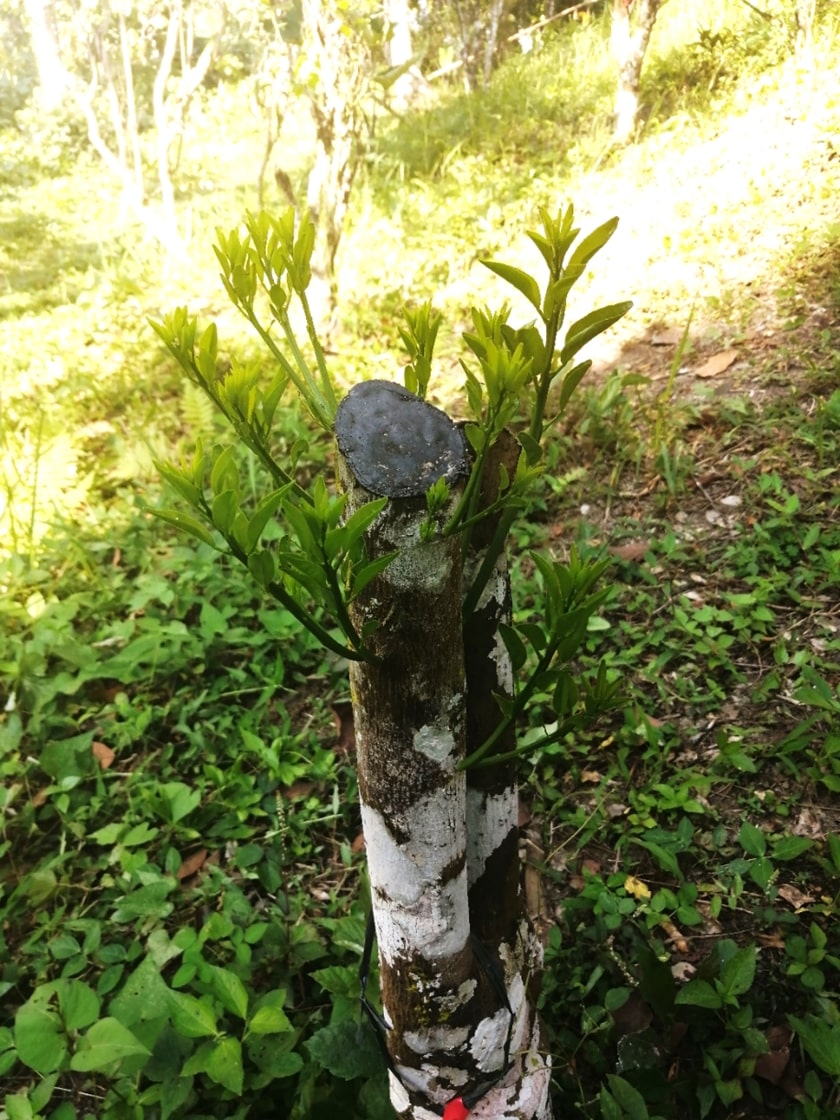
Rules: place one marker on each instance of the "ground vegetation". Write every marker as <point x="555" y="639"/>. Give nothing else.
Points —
<point x="182" y="894"/>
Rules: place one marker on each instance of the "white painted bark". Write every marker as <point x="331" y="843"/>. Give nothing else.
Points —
<point x="497" y="909"/>
<point x="442" y="848"/>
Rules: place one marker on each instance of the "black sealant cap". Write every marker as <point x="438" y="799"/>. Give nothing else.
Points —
<point x="396" y="444"/>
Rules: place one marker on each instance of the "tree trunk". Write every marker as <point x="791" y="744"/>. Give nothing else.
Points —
<point x="806" y="14"/>
<point x="497" y="905"/>
<point x="53" y="79"/>
<point x="629" y="44"/>
<point x="452" y="948"/>
<point x="343" y="72"/>
<point x="400" y="51"/>
<point x="478" y="30"/>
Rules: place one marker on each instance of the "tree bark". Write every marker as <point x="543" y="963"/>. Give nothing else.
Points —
<point x="497" y="906"/>
<point x="340" y="58"/>
<point x="449" y="933"/>
<point x="53" y="79"/>
<point x="632" y="24"/>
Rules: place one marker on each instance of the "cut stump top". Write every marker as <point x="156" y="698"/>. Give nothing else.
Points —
<point x="396" y="444"/>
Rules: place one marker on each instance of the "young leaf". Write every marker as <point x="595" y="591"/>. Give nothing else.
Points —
<point x="590" y="326"/>
<point x="186" y="523"/>
<point x="520" y="280"/>
<point x="363" y="575"/>
<point x="515" y="646"/>
<point x="179" y="481"/>
<point x="570" y="382"/>
<point x="262" y="515"/>
<point x="591" y="244"/>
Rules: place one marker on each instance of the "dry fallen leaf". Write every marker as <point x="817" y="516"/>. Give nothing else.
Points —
<point x="103" y="754"/>
<point x="192" y="864"/>
<point x="632" y="551"/>
<point x="591" y="775"/>
<point x="636" y="887"/>
<point x="794" y="896"/>
<point x="670" y="336"/>
<point x="716" y="364"/>
<point x="297" y="789"/>
<point x="344" y="727"/>
<point x="772" y="1066"/>
<point x="633" y="1016"/>
<point x="675" y="937"/>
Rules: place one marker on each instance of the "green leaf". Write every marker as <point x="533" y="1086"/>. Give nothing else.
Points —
<point x="150" y="901"/>
<point x="752" y="839"/>
<point x="262" y="515"/>
<point x="106" y="1043"/>
<point x="610" y="1108"/>
<point x="738" y="972"/>
<point x="223" y="473"/>
<point x="821" y="1041"/>
<point x="366" y="573"/>
<point x="629" y="1099"/>
<point x="263" y="567"/>
<point x="338" y="979"/>
<point x="191" y="1017"/>
<point x="570" y="382"/>
<point x="344" y="1052"/>
<point x="514" y="645"/>
<point x="269" y="1020"/>
<point x="79" y="1004"/>
<point x="590" y="245"/>
<point x="791" y="847"/>
<point x="224" y="1064"/>
<point x="531" y="447"/>
<point x="142" y="996"/>
<point x="186" y="524"/>
<point x="590" y="326"/>
<point x="666" y="859"/>
<point x="699" y="993"/>
<point x="40" y="1040"/>
<point x="18" y="1107"/>
<point x="520" y="280"/>
<point x="224" y="510"/>
<point x="229" y="990"/>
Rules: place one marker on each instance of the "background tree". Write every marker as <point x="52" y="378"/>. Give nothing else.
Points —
<point x="53" y="79"/>
<point x="132" y="71"/>
<point x="632" y="24"/>
<point x="326" y="54"/>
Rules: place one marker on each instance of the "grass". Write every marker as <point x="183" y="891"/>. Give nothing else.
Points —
<point x="180" y="836"/>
